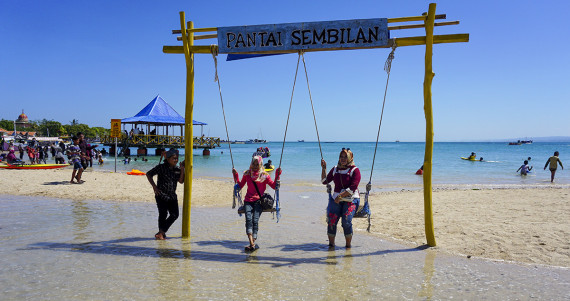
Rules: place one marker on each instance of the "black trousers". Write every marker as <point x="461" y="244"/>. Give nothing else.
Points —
<point x="167" y="211"/>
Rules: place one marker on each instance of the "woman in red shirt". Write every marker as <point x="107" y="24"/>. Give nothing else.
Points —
<point x="254" y="176"/>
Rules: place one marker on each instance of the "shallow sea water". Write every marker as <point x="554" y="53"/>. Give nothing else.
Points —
<point x="97" y="250"/>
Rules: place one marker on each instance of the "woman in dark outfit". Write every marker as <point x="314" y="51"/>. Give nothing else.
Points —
<point x="165" y="191"/>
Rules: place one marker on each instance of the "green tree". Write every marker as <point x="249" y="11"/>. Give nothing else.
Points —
<point x="73" y="129"/>
<point x="7" y="124"/>
<point x="49" y="128"/>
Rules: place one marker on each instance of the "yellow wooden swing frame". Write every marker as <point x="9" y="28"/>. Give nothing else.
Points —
<point x="188" y="48"/>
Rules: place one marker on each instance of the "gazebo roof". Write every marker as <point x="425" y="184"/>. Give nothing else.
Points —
<point x="157" y="111"/>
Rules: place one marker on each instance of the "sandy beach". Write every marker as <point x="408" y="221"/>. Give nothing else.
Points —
<point x="520" y="225"/>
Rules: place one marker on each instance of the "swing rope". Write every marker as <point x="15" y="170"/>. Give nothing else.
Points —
<point x="278" y="185"/>
<point x="387" y="68"/>
<point x="237" y="200"/>
<point x="289" y="114"/>
<point x="302" y="53"/>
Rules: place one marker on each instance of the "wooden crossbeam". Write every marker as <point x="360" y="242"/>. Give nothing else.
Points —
<point x="408" y="41"/>
<point x="417" y="18"/>
<point x="202" y="37"/>
<point x="437" y="39"/>
<point x="410" y="26"/>
<point x="390" y="20"/>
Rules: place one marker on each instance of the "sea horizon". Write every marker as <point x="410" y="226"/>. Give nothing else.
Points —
<point x="395" y="165"/>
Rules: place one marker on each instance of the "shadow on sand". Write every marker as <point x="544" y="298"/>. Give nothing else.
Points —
<point x="58" y="183"/>
<point x="121" y="247"/>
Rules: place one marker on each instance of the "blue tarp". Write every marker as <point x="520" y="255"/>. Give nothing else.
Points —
<point x="158" y="111"/>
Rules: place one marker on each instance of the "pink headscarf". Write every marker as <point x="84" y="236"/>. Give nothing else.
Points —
<point x="258" y="175"/>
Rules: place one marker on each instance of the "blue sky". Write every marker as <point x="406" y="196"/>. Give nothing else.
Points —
<point x="97" y="60"/>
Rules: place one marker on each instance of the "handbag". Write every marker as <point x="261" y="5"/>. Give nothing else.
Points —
<point x="266" y="200"/>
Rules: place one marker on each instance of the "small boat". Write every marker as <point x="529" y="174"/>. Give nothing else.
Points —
<point x="300" y="140"/>
<point x="479" y="160"/>
<point x="34" y="166"/>
<point x="270" y="169"/>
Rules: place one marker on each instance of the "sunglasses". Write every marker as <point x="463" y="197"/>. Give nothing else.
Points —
<point x="346" y="148"/>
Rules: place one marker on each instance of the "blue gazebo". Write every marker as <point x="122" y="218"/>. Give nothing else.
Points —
<point x="155" y="120"/>
<point x="160" y="115"/>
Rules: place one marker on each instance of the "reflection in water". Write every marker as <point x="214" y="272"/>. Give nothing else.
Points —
<point x="173" y="274"/>
<point x="429" y="269"/>
<point x="342" y="278"/>
<point x="81" y="219"/>
<point x="95" y="251"/>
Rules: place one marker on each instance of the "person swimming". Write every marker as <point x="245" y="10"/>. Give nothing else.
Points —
<point x="524" y="169"/>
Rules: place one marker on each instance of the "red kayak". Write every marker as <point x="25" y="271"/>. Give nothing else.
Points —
<point x="34" y="166"/>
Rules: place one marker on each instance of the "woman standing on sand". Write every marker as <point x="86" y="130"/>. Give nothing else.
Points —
<point x="257" y="180"/>
<point x="165" y="191"/>
<point x="344" y="202"/>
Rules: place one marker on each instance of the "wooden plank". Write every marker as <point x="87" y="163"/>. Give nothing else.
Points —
<point x="267" y="38"/>
<point x="390" y="20"/>
<point x="417" y="18"/>
<point x="180" y="49"/>
<point x="437" y="39"/>
<point x="206" y="36"/>
<point x="421" y="25"/>
<point x="202" y="37"/>
<point x="205" y="29"/>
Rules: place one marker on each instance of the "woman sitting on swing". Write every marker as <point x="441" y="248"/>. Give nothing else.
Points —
<point x="254" y="176"/>
<point x="343" y="204"/>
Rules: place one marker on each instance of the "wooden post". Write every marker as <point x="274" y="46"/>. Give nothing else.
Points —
<point x="188" y="41"/>
<point x="428" y="214"/>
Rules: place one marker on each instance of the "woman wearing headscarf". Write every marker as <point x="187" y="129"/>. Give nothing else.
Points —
<point x="11" y="158"/>
<point x="165" y="191"/>
<point x="343" y="203"/>
<point x="254" y="176"/>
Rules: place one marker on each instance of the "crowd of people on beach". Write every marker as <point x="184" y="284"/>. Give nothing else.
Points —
<point x="79" y="153"/>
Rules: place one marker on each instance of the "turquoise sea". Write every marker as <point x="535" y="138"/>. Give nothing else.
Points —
<point x="396" y="163"/>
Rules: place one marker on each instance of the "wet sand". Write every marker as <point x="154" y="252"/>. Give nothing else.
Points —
<point x="520" y="225"/>
<point x="56" y="249"/>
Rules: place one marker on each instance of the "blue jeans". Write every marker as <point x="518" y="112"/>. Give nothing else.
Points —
<point x="77" y="165"/>
<point x="252" y="213"/>
<point x="344" y="211"/>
